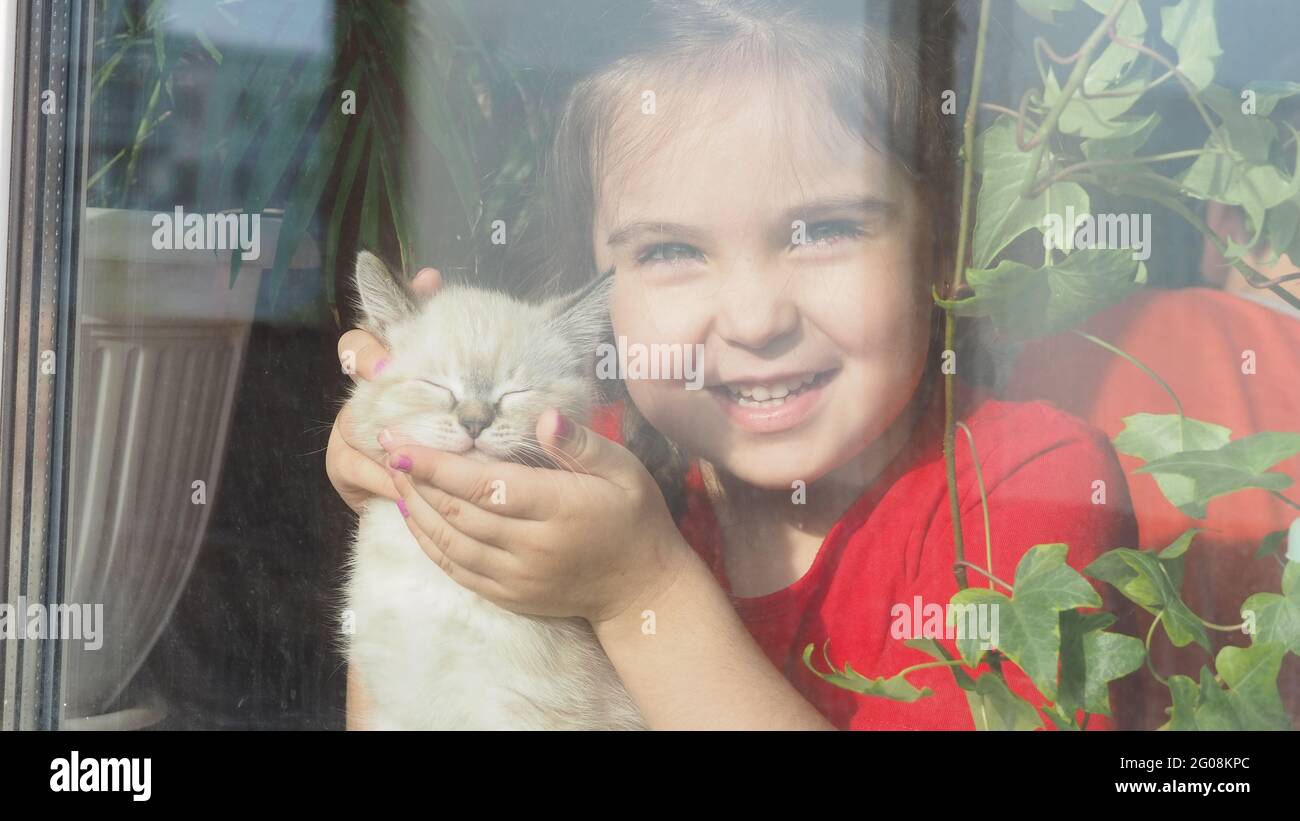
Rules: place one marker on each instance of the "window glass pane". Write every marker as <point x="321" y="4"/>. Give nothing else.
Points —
<point x="763" y="395"/>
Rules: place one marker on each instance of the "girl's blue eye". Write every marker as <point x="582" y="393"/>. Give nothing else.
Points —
<point x="668" y="252"/>
<point x="828" y="233"/>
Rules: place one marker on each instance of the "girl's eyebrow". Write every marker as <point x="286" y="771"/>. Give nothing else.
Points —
<point x="836" y="206"/>
<point x="624" y="234"/>
<point x="809" y="211"/>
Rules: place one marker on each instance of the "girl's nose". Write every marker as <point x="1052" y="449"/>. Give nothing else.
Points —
<point x="755" y="310"/>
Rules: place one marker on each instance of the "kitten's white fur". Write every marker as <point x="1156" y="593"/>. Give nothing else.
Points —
<point x="432" y="654"/>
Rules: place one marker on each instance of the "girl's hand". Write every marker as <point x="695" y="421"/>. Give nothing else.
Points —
<point x="594" y="541"/>
<point x="356" y="477"/>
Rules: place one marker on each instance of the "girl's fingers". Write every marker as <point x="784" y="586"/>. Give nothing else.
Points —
<point x="361" y="355"/>
<point x="448" y="543"/>
<point x="364" y="356"/>
<point x="354" y="475"/>
<point x="427" y="281"/>
<point x="578" y="448"/>
<point x="504" y="488"/>
<point x="474" y="582"/>
<point x="486" y="526"/>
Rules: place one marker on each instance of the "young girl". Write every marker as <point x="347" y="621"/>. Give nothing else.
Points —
<point x="774" y="187"/>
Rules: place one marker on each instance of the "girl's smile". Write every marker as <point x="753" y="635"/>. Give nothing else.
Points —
<point x="773" y="405"/>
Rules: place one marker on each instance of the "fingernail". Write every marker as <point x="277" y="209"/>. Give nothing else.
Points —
<point x="563" y="427"/>
<point x="401" y="505"/>
<point x="386" y="439"/>
<point x="380" y="365"/>
<point x="402" y="463"/>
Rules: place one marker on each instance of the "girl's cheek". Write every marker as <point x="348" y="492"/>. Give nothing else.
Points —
<point x="866" y="307"/>
<point x="648" y="314"/>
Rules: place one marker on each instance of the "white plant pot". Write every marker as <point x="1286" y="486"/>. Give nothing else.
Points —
<point x="160" y="343"/>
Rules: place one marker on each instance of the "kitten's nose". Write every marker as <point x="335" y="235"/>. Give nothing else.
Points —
<point x="475" y="416"/>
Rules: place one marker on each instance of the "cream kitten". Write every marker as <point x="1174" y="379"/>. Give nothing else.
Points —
<point x="470" y="371"/>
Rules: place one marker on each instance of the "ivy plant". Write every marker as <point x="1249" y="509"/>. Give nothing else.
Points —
<point x="1081" y="129"/>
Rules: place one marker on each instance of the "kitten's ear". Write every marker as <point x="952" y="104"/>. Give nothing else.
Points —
<point x="383" y="298"/>
<point x="583" y="318"/>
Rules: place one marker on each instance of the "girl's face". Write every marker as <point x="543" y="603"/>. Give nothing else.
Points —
<point x="788" y="259"/>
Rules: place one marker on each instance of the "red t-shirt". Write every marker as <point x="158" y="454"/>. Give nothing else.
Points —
<point x="895" y="544"/>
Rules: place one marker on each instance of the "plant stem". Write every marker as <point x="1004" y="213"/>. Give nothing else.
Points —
<point x="1253" y="277"/>
<point x="958" y="269"/>
<point x="1141" y="48"/>
<point x="1135" y="361"/>
<point x="1151" y="633"/>
<point x="1286" y="499"/>
<point x="928" y="665"/>
<point x="984" y="501"/>
<point x="986" y="574"/>
<point x="1083" y="62"/>
<point x="1223" y="628"/>
<point x="1047" y="182"/>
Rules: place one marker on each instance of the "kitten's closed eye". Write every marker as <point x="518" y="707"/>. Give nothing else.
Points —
<point x="518" y="393"/>
<point x="439" y="387"/>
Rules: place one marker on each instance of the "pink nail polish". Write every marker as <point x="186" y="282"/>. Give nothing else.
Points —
<point x="563" y="427"/>
<point x="380" y="365"/>
<point x="401" y="505"/>
<point x="402" y="463"/>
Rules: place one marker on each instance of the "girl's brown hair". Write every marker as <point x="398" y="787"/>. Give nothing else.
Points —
<point x="885" y="88"/>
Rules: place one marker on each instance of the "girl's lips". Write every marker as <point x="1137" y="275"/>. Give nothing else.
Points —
<point x="777" y="418"/>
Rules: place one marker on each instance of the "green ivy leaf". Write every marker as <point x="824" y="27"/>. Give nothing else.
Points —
<point x="1281" y="232"/>
<point x="1150" y="436"/>
<point x="1132" y="23"/>
<point x="1214" y="711"/>
<point x="1114" y="74"/>
<point x="995" y="707"/>
<point x="896" y="688"/>
<point x="1116" y="79"/>
<point x="1277" y="618"/>
<point x="936" y="651"/>
<point x="1060" y="720"/>
<point x="1153" y="584"/>
<point x="1029" y="625"/>
<point x="1272" y="543"/>
<point x="1124" y="142"/>
<point x="1001" y="214"/>
<point x="1091" y="658"/>
<point x="1026" y="302"/>
<point x="1238" y="465"/>
<point x="1179" y="546"/>
<point x="1189" y="27"/>
<point x="1046" y="10"/>
<point x="1250" y="702"/>
<point x="1251" y="676"/>
<point x="1268" y="93"/>
<point x="1184" y="694"/>
<point x="992" y="704"/>
<point x="1238" y="171"/>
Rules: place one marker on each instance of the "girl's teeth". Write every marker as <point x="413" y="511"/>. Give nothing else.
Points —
<point x="770" y="403"/>
<point x="769" y="395"/>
